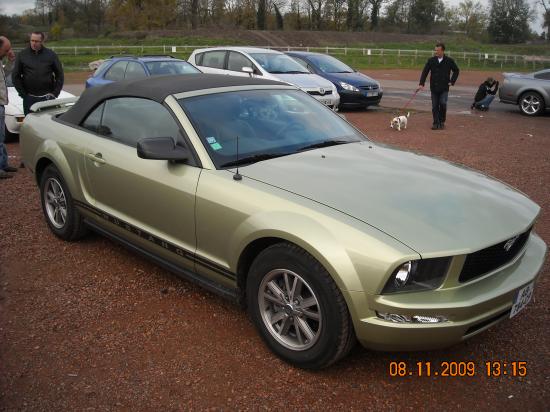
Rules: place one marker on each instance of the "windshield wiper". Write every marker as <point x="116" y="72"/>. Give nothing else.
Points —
<point x="295" y="72"/>
<point x="324" y="143"/>
<point x="253" y="159"/>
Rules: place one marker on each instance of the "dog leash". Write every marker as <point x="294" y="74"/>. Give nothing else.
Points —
<point x="410" y="100"/>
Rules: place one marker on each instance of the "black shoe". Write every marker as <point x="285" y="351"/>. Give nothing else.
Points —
<point x="5" y="175"/>
<point x="435" y="126"/>
<point x="442" y="126"/>
<point x="10" y="169"/>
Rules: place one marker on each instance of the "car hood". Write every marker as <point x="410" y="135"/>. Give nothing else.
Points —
<point x="304" y="80"/>
<point x="430" y="205"/>
<point x="355" y="79"/>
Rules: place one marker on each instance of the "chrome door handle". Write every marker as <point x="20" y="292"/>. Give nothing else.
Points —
<point x="96" y="157"/>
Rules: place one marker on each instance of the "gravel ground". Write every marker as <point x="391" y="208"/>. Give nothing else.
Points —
<point x="91" y="326"/>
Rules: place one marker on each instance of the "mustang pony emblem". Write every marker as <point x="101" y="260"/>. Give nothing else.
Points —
<point x="508" y="245"/>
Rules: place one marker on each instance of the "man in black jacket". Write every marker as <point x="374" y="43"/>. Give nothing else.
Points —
<point x="485" y="94"/>
<point x="37" y="74"/>
<point x="440" y="67"/>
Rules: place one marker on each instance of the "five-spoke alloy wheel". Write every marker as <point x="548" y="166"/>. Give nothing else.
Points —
<point x="531" y="103"/>
<point x="57" y="204"/>
<point x="297" y="308"/>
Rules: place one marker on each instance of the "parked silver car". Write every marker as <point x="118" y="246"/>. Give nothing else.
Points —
<point x="531" y="92"/>
<point x="265" y="64"/>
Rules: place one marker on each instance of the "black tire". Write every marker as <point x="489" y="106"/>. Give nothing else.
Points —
<point x="9" y="137"/>
<point x="71" y="227"/>
<point x="334" y="334"/>
<point x="531" y="103"/>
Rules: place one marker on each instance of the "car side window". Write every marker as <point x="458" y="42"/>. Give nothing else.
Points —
<point x="129" y="119"/>
<point x="543" y="75"/>
<point x="303" y="63"/>
<point x="214" y="59"/>
<point x="198" y="59"/>
<point x="116" y="72"/>
<point x="135" y="70"/>
<point x="237" y="61"/>
<point x="93" y="121"/>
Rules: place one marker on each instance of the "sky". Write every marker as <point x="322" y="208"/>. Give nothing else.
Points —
<point x="10" y="7"/>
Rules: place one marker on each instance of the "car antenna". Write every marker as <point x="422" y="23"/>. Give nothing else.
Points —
<point x="237" y="176"/>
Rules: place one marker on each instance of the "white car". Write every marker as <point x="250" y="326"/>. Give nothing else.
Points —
<point x="267" y="64"/>
<point x="14" y="110"/>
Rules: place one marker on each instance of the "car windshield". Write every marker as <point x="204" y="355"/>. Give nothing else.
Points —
<point x="278" y="63"/>
<point x="160" y="68"/>
<point x="267" y="123"/>
<point x="328" y="64"/>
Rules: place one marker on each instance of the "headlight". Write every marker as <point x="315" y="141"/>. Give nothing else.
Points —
<point x="349" y="87"/>
<point x="417" y="275"/>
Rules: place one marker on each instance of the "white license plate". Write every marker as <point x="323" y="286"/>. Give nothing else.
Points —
<point x="326" y="102"/>
<point x="369" y="94"/>
<point x="523" y="297"/>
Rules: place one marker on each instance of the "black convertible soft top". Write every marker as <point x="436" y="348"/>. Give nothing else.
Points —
<point x="155" y="88"/>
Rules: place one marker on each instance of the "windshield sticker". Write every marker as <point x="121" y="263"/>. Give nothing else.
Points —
<point x="211" y="140"/>
<point x="215" y="146"/>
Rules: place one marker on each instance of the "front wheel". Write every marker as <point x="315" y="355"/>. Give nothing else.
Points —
<point x="531" y="103"/>
<point x="58" y="206"/>
<point x="297" y="308"/>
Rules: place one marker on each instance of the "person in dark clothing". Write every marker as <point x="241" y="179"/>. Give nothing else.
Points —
<point x="485" y="94"/>
<point x="440" y="66"/>
<point x="38" y="74"/>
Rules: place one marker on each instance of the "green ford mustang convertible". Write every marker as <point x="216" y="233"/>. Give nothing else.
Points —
<point x="258" y="192"/>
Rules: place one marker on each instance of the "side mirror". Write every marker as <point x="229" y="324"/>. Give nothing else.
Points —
<point x="248" y="70"/>
<point x="161" y="148"/>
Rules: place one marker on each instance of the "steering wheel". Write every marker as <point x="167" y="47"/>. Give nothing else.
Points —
<point x="293" y="126"/>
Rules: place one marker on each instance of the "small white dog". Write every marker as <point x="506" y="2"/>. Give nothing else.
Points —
<point x="400" y="122"/>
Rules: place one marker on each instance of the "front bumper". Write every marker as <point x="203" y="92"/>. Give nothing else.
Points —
<point x="470" y="307"/>
<point x="359" y="99"/>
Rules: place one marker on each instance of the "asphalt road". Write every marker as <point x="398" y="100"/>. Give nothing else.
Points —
<point x="398" y="92"/>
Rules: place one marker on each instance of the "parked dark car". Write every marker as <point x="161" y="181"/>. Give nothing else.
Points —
<point x="355" y="89"/>
<point x="131" y="67"/>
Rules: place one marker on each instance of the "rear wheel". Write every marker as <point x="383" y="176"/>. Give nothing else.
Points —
<point x="531" y="103"/>
<point x="58" y="206"/>
<point x="297" y="308"/>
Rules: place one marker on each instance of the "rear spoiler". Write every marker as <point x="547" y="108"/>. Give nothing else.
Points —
<point x="53" y="104"/>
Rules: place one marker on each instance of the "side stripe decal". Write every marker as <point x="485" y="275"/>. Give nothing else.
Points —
<point x="199" y="260"/>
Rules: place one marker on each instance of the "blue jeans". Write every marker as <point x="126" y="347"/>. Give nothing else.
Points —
<point x="3" y="151"/>
<point x="486" y="101"/>
<point x="439" y="106"/>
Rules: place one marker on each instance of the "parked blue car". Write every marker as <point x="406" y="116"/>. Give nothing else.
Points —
<point x="131" y="67"/>
<point x="355" y="89"/>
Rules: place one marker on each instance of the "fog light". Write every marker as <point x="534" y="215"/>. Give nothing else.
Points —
<point x="396" y="318"/>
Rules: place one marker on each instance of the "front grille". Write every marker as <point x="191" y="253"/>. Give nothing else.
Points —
<point x="370" y="87"/>
<point x="491" y="258"/>
<point x="317" y="93"/>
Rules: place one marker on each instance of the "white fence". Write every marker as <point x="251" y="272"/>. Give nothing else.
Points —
<point x="372" y="55"/>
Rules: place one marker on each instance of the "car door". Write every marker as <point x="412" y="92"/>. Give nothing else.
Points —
<point x="115" y="73"/>
<point x="149" y="202"/>
<point x="235" y="63"/>
<point x="213" y="62"/>
<point x="134" y="70"/>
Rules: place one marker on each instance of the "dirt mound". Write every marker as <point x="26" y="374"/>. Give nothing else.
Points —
<point x="281" y="38"/>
